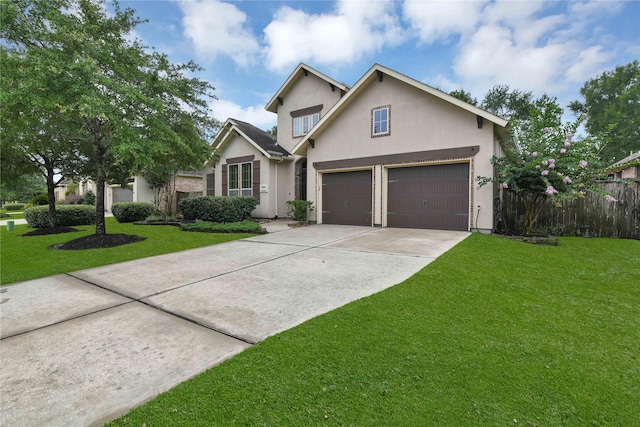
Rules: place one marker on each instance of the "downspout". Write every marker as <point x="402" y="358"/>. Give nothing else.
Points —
<point x="276" y="154"/>
<point x="278" y="162"/>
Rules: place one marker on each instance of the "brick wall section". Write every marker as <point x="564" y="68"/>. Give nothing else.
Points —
<point x="184" y="184"/>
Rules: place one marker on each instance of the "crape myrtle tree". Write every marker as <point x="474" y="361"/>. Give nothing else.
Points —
<point x="545" y="160"/>
<point x="125" y="107"/>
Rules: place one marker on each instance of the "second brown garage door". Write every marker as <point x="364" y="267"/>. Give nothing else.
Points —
<point x="429" y="197"/>
<point x="346" y="198"/>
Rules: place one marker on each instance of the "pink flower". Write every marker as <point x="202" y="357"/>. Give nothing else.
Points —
<point x="537" y="166"/>
<point x="551" y="191"/>
<point x="569" y="136"/>
<point x="564" y="150"/>
<point x="505" y="185"/>
<point x="610" y="198"/>
<point x="567" y="180"/>
<point x="545" y="172"/>
<point x="534" y="154"/>
<point x="552" y="160"/>
<point x="567" y="144"/>
<point x="552" y="165"/>
<point x="477" y="187"/>
<point x="583" y="163"/>
<point x="544" y="162"/>
<point x="547" y="130"/>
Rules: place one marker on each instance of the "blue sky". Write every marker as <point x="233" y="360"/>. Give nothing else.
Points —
<point x="249" y="48"/>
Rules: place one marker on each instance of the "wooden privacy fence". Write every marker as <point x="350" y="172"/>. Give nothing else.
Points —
<point x="589" y="216"/>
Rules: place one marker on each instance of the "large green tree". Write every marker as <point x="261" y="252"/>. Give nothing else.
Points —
<point x="611" y="103"/>
<point x="465" y="96"/>
<point x="35" y="138"/>
<point x="124" y="107"/>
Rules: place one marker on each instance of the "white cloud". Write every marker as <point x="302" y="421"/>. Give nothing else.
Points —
<point x="589" y="63"/>
<point x="218" y="28"/>
<point x="439" y="20"/>
<point x="351" y="31"/>
<point x="492" y="56"/>
<point x="256" y="115"/>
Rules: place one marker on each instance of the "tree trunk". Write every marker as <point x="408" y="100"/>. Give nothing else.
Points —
<point x="100" y="225"/>
<point x="51" y="195"/>
<point x="532" y="207"/>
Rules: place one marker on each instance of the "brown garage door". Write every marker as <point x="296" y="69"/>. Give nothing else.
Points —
<point x="429" y="197"/>
<point x="346" y="198"/>
<point x="122" y="195"/>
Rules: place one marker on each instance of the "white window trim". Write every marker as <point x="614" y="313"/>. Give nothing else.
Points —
<point x="299" y="124"/>
<point x="240" y="190"/>
<point x="375" y="134"/>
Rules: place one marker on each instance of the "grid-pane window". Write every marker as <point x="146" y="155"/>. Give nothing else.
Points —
<point x="303" y="124"/>
<point x="233" y="180"/>
<point x="211" y="184"/>
<point x="246" y="179"/>
<point x="380" y="121"/>
<point x="296" y="126"/>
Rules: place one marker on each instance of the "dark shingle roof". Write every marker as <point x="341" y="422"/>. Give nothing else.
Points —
<point x="266" y="141"/>
<point x="631" y="157"/>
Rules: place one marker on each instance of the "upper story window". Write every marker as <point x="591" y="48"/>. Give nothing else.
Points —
<point x="302" y="125"/>
<point x="381" y="121"/>
<point x="240" y="183"/>
<point x="305" y="119"/>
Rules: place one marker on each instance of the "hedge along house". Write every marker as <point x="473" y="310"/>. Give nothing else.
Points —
<point x="390" y="152"/>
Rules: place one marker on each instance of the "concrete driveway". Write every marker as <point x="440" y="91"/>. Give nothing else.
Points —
<point x="85" y="347"/>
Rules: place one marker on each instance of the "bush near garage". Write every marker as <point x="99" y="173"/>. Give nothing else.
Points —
<point x="132" y="211"/>
<point x="66" y="215"/>
<point x="218" y="209"/>
<point x="299" y="210"/>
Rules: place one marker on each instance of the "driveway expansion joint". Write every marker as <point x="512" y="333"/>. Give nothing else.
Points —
<point x="148" y="304"/>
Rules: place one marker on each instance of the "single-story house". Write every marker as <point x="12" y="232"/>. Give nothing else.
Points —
<point x="627" y="168"/>
<point x="389" y="151"/>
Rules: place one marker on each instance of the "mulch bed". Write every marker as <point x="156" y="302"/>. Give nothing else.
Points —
<point x="50" y="230"/>
<point x="97" y="241"/>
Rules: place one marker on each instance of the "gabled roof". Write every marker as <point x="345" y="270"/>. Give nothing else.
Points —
<point x="261" y="140"/>
<point x="625" y="163"/>
<point x="301" y="70"/>
<point x="376" y="72"/>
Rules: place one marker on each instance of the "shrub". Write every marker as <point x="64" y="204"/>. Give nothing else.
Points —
<point x="39" y="200"/>
<point x="89" y="198"/>
<point x="299" y="210"/>
<point x="246" y="226"/>
<point x="218" y="209"/>
<point x="66" y="215"/>
<point x="14" y="206"/>
<point x="132" y="211"/>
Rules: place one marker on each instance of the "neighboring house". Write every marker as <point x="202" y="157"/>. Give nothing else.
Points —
<point x="60" y="191"/>
<point x="628" y="168"/>
<point x="389" y="151"/>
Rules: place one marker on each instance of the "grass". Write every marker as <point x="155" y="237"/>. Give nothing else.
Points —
<point x="494" y="332"/>
<point x="246" y="226"/>
<point x="12" y="214"/>
<point x="25" y="258"/>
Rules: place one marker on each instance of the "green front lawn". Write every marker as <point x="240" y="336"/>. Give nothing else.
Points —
<point x="12" y="214"/>
<point x="25" y="258"/>
<point x="494" y="332"/>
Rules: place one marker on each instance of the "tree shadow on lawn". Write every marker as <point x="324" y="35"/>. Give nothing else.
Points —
<point x="93" y="241"/>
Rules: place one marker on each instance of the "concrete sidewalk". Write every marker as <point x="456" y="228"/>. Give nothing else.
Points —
<point x="85" y="347"/>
